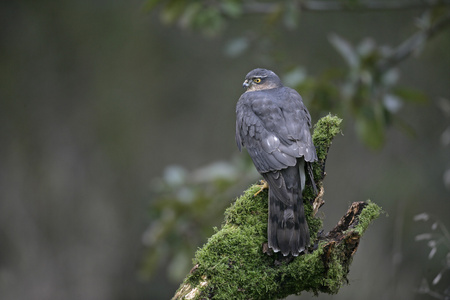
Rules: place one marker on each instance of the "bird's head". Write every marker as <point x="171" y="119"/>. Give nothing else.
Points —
<point x="261" y="79"/>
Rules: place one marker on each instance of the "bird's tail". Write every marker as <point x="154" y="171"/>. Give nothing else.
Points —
<point x="288" y="230"/>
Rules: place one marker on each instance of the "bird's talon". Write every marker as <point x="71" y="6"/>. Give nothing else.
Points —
<point x="262" y="187"/>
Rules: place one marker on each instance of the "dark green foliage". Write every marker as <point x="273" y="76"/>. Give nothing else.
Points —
<point x="365" y="90"/>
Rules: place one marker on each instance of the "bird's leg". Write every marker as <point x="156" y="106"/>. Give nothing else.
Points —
<point x="311" y="176"/>
<point x="262" y="187"/>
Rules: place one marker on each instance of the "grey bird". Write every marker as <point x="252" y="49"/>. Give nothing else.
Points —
<point x="273" y="124"/>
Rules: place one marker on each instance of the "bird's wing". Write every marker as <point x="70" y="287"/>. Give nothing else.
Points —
<point x="274" y="127"/>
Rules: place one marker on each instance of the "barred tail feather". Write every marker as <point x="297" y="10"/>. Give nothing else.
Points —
<point x="288" y="230"/>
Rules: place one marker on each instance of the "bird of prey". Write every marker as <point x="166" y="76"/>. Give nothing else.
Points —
<point x="273" y="124"/>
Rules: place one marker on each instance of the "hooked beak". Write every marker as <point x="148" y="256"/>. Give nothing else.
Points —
<point x="246" y="84"/>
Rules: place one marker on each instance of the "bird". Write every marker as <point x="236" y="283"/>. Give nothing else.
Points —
<point x="273" y="124"/>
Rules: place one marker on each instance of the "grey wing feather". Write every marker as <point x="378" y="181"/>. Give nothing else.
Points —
<point x="274" y="127"/>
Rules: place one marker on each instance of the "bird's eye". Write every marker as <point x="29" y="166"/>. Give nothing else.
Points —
<point x="256" y="80"/>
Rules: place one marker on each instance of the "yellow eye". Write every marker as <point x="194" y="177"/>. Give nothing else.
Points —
<point x="256" y="80"/>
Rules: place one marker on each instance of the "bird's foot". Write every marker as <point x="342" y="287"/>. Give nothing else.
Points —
<point x="262" y="187"/>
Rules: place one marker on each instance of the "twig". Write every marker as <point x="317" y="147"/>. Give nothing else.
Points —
<point x="411" y="45"/>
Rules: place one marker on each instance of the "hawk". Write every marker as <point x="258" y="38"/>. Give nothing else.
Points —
<point x="273" y="124"/>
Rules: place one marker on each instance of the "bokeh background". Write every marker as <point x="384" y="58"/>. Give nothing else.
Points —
<point x="98" y="98"/>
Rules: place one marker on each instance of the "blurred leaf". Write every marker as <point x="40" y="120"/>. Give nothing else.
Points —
<point x="392" y="103"/>
<point x="446" y="178"/>
<point x="432" y="253"/>
<point x="178" y="265"/>
<point x="423" y="236"/>
<point x="172" y="11"/>
<point x="444" y="105"/>
<point x="424" y="21"/>
<point x="370" y="128"/>
<point x="294" y="77"/>
<point x="424" y="287"/>
<point x="390" y="77"/>
<point x="276" y="15"/>
<point x="366" y="47"/>
<point x="187" y="19"/>
<point x="434" y="226"/>
<point x="232" y="8"/>
<point x="291" y="14"/>
<point x="345" y="49"/>
<point x="410" y="95"/>
<point x="150" y="4"/>
<point x="437" y="278"/>
<point x="209" y="20"/>
<point x="404" y="127"/>
<point x="432" y="244"/>
<point x="237" y="46"/>
<point x="438" y="11"/>
<point x="220" y="170"/>
<point x="175" y="175"/>
<point x="186" y="207"/>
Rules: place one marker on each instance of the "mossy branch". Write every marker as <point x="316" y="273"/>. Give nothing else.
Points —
<point x="235" y="262"/>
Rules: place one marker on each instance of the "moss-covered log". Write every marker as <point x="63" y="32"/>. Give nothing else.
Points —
<point x="236" y="264"/>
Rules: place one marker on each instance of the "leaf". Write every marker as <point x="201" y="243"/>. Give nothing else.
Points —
<point x="434" y="226"/>
<point x="424" y="287"/>
<point x="423" y="236"/>
<point x="444" y="105"/>
<point x="445" y="137"/>
<point x="432" y="253"/>
<point x="345" y="49"/>
<point x="370" y="128"/>
<point x="232" y="8"/>
<point x="291" y="15"/>
<point x="172" y="11"/>
<point x="410" y="95"/>
<point x="390" y="77"/>
<point x="175" y="175"/>
<point x="150" y="4"/>
<point x="276" y="15"/>
<point x="421" y="217"/>
<point x="437" y="278"/>
<point x="392" y="103"/>
<point x="188" y="17"/>
<point x="236" y="46"/>
<point x="295" y="77"/>
<point x="178" y="265"/>
<point x="209" y="20"/>
<point x="366" y="47"/>
<point x="446" y="178"/>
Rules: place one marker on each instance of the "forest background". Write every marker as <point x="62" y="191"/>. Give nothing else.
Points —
<point x="117" y="151"/>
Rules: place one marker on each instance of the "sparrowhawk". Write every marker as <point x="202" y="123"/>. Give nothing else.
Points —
<point x="274" y="125"/>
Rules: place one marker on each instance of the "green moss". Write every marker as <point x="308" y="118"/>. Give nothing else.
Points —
<point x="324" y="131"/>
<point x="248" y="209"/>
<point x="232" y="265"/>
<point x="315" y="224"/>
<point x="370" y="213"/>
<point x="233" y="260"/>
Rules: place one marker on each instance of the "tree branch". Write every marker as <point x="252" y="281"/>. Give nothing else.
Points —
<point x="412" y="44"/>
<point x="235" y="263"/>
<point x="333" y="6"/>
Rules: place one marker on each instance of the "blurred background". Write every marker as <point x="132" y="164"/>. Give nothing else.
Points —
<point x="117" y="151"/>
